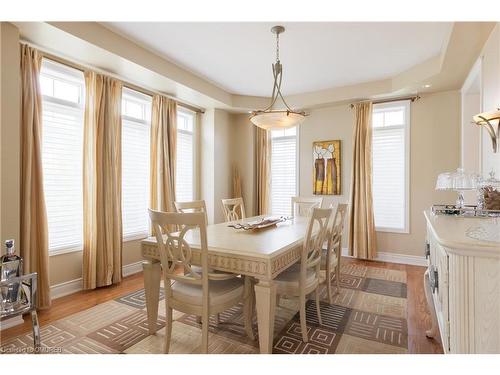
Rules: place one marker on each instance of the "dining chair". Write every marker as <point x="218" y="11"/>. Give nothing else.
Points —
<point x="186" y="290"/>
<point x="230" y="208"/>
<point x="303" y="277"/>
<point x="331" y="254"/>
<point x="305" y="205"/>
<point x="193" y="206"/>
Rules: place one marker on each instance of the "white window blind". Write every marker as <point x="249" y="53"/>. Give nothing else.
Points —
<point x="390" y="157"/>
<point x="62" y="154"/>
<point x="136" y="127"/>
<point x="283" y="170"/>
<point x="184" y="183"/>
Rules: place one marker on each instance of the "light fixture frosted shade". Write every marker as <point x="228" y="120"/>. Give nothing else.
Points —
<point x="276" y="119"/>
<point x="488" y="116"/>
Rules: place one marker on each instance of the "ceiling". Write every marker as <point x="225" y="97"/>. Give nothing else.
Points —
<point x="237" y="57"/>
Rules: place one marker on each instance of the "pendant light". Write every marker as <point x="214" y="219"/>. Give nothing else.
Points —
<point x="271" y="118"/>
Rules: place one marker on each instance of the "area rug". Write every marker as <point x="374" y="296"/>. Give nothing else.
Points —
<point x="368" y="316"/>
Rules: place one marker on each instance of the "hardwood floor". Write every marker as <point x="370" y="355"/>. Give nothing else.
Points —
<point x="418" y="315"/>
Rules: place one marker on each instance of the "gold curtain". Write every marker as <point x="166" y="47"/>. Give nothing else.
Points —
<point x="34" y="232"/>
<point x="163" y="153"/>
<point x="262" y="170"/>
<point x="362" y="238"/>
<point x="102" y="227"/>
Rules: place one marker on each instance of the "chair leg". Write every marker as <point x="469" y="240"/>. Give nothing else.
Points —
<point x="204" y="332"/>
<point x="328" y="278"/>
<point x="337" y="275"/>
<point x="318" y="310"/>
<point x="168" y="328"/>
<point x="303" y="324"/>
<point x="277" y="300"/>
<point x="248" y="308"/>
<point x="36" y="331"/>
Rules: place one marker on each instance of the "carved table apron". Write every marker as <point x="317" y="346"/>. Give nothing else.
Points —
<point x="262" y="254"/>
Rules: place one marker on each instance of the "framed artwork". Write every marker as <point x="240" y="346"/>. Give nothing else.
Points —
<point x="326" y="168"/>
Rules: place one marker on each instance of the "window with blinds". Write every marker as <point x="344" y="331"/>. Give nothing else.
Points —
<point x="184" y="183"/>
<point x="390" y="157"/>
<point x="136" y="128"/>
<point x="62" y="154"/>
<point x="283" y="169"/>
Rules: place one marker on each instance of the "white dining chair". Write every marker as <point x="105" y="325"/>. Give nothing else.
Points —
<point x="186" y="290"/>
<point x="303" y="277"/>
<point x="331" y="254"/>
<point x="302" y="206"/>
<point x="193" y="206"/>
<point x="231" y="206"/>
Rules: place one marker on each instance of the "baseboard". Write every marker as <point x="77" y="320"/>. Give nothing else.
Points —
<point x="66" y="288"/>
<point x="73" y="286"/>
<point x="132" y="268"/>
<point x="382" y="256"/>
<point x="11" y="322"/>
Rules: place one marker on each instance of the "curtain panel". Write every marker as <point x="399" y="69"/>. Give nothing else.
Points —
<point x="102" y="226"/>
<point x="362" y="237"/>
<point x="34" y="230"/>
<point x="262" y="170"/>
<point x="163" y="153"/>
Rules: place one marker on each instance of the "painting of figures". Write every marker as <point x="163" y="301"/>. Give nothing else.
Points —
<point x="326" y="169"/>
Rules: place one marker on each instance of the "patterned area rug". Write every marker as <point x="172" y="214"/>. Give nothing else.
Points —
<point x="368" y="316"/>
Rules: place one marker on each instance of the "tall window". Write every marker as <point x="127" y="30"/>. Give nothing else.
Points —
<point x="390" y="156"/>
<point x="283" y="169"/>
<point x="62" y="153"/>
<point x="184" y="180"/>
<point x="136" y="127"/>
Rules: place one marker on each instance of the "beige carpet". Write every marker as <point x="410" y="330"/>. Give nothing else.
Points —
<point x="368" y="316"/>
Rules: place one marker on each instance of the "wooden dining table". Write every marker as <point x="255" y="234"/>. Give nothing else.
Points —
<point x="262" y="254"/>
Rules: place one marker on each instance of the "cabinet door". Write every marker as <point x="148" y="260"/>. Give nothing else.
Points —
<point x="442" y="293"/>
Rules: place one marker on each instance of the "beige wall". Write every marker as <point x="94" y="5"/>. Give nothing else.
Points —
<point x="215" y="163"/>
<point x="490" y="98"/>
<point x="435" y="147"/>
<point x="222" y="162"/>
<point x="10" y="133"/>
<point x="242" y="155"/>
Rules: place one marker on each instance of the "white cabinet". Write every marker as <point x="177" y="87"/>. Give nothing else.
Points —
<point x="463" y="285"/>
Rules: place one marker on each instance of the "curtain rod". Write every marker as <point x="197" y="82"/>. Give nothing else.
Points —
<point x="411" y="98"/>
<point x="129" y="85"/>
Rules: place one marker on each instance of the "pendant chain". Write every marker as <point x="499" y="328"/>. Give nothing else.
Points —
<point x="277" y="47"/>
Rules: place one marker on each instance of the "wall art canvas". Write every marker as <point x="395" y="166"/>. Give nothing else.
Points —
<point x="326" y="168"/>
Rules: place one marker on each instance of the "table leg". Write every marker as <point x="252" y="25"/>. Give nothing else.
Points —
<point x="265" y="298"/>
<point x="152" y="276"/>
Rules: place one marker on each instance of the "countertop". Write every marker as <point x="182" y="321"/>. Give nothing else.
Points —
<point x="451" y="232"/>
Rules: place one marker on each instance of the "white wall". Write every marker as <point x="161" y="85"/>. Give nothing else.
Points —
<point x="490" y="97"/>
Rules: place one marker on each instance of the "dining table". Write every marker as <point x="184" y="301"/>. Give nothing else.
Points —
<point x="259" y="253"/>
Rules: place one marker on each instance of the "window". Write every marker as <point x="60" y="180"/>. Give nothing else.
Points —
<point x="390" y="157"/>
<point x="283" y="169"/>
<point x="62" y="154"/>
<point x="184" y="183"/>
<point x="136" y="128"/>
